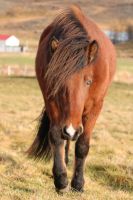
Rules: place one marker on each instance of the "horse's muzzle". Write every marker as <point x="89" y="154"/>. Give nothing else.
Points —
<point x="69" y="133"/>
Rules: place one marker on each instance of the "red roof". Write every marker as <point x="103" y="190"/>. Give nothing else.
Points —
<point x="4" y="37"/>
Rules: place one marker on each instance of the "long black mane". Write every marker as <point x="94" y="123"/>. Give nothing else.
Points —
<point x="68" y="58"/>
<point x="70" y="54"/>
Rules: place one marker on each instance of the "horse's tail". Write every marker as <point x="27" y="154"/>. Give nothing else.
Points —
<point x="40" y="149"/>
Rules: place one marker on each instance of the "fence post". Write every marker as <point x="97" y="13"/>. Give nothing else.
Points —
<point x="9" y="71"/>
<point x="25" y="70"/>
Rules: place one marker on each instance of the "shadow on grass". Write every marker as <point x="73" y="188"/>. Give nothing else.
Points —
<point x="23" y="189"/>
<point x="122" y="85"/>
<point x="4" y="158"/>
<point x="17" y="77"/>
<point x="23" y="77"/>
<point x="117" y="177"/>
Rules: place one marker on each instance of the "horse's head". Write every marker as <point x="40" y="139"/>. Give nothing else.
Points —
<point x="69" y="76"/>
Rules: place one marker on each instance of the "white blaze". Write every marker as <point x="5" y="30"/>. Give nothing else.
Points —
<point x="71" y="130"/>
<point x="82" y="128"/>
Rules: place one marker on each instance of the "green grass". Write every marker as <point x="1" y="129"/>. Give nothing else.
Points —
<point x="109" y="166"/>
<point x="125" y="64"/>
<point x="17" y="59"/>
<point x="28" y="59"/>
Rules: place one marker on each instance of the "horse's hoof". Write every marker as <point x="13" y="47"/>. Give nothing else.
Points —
<point x="77" y="190"/>
<point x="77" y="186"/>
<point x="62" y="191"/>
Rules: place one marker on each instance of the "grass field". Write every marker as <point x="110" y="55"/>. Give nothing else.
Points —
<point x="27" y="19"/>
<point x="109" y="166"/>
<point x="17" y="59"/>
<point x="28" y="59"/>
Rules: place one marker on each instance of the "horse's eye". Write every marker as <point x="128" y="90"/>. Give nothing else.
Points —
<point x="88" y="82"/>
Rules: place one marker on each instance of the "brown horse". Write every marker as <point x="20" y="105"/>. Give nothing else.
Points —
<point x="75" y="64"/>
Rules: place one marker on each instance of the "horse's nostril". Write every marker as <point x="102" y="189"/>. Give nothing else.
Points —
<point x="65" y="130"/>
<point x="70" y="132"/>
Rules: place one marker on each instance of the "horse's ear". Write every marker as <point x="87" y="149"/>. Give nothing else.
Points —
<point x="93" y="49"/>
<point x="54" y="43"/>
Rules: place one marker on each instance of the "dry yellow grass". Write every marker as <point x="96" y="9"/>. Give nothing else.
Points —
<point x="27" y="19"/>
<point x="109" y="166"/>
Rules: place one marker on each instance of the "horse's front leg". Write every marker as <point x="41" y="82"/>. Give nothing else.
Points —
<point x="67" y="151"/>
<point x="81" y="151"/>
<point x="82" y="146"/>
<point x="59" y="166"/>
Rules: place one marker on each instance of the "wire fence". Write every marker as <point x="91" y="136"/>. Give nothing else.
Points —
<point x="26" y="71"/>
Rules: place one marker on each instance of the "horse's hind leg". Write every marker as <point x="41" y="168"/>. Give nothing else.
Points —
<point x="67" y="151"/>
<point x="59" y="166"/>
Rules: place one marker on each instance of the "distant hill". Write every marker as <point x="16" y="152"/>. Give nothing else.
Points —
<point x="27" y="18"/>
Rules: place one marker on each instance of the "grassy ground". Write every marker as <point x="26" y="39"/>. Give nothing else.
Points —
<point x="109" y="166"/>
<point x="27" y="19"/>
<point x="28" y="59"/>
<point x="17" y="59"/>
<point x="125" y="64"/>
<point x="125" y="49"/>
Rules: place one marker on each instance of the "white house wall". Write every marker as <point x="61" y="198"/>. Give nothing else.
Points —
<point x="12" y="41"/>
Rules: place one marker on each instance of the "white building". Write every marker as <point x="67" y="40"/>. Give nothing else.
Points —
<point x="117" y="36"/>
<point x="9" y="43"/>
